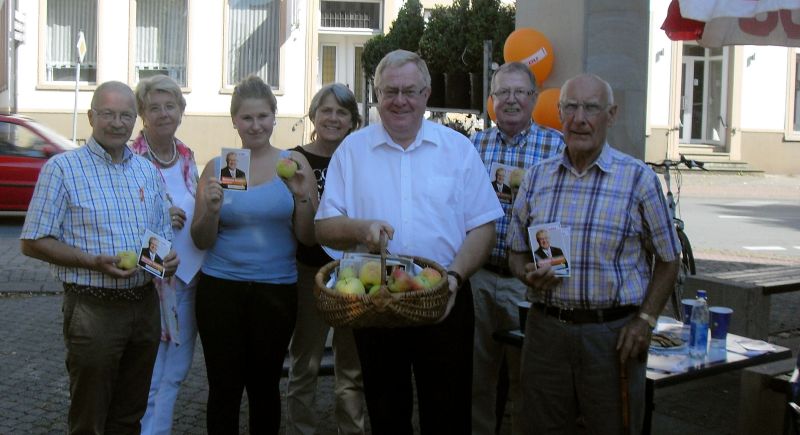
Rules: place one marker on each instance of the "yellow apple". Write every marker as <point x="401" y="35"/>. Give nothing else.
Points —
<point x="127" y="260"/>
<point x="370" y="273"/>
<point x="432" y="275"/>
<point x="286" y="168"/>
<point x="347" y="272"/>
<point x="516" y="177"/>
<point x="350" y="286"/>
<point x="419" y="282"/>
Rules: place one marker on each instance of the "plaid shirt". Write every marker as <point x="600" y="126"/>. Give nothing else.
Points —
<point x="99" y="207"/>
<point x="618" y="219"/>
<point x="524" y="150"/>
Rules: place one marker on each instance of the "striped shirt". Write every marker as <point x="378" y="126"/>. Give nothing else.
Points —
<point x="524" y="150"/>
<point x="618" y="219"/>
<point x="86" y="201"/>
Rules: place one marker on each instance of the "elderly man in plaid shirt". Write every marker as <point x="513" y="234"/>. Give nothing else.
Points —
<point x="583" y="329"/>
<point x="516" y="142"/>
<point x="89" y="205"/>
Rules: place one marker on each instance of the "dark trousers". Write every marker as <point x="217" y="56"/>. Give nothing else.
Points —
<point x="440" y="357"/>
<point x="245" y="329"/>
<point x="111" y="349"/>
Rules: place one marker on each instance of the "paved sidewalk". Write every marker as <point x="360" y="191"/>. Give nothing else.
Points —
<point x="33" y="379"/>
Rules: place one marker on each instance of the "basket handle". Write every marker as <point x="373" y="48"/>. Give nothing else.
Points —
<point x="383" y="251"/>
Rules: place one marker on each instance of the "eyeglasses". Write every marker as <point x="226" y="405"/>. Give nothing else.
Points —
<point x="392" y="93"/>
<point x="590" y="109"/>
<point x="109" y="116"/>
<point x="518" y="94"/>
<point x="158" y="108"/>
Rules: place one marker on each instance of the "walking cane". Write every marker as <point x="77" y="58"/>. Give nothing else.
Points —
<point x="625" y="402"/>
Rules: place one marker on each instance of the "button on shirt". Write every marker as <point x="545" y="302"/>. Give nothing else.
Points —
<point x="431" y="193"/>
<point x="528" y="147"/>
<point x="85" y="200"/>
<point x="617" y="215"/>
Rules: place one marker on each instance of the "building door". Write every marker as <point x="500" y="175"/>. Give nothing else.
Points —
<point x="703" y="99"/>
<point x="340" y="61"/>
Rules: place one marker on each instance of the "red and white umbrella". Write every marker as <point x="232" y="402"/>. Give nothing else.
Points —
<point x="714" y="23"/>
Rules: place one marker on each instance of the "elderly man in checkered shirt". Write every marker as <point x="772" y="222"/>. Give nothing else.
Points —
<point x="583" y="329"/>
<point x="89" y="205"/>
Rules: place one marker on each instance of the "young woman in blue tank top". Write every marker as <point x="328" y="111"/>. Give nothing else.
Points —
<point x="246" y="296"/>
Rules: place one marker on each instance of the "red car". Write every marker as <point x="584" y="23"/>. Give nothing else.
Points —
<point x="24" y="147"/>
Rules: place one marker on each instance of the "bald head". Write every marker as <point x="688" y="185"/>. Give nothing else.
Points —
<point x="588" y="79"/>
<point x="115" y="87"/>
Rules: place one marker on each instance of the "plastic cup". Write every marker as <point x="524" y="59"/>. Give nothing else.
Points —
<point x="524" y="307"/>
<point x="720" y="320"/>
<point x="687" y="305"/>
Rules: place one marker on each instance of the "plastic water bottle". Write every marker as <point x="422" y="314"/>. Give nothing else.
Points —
<point x="698" y="335"/>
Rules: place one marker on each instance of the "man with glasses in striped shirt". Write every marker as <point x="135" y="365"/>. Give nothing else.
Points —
<point x="90" y="205"/>
<point x="516" y="142"/>
<point x="584" y="329"/>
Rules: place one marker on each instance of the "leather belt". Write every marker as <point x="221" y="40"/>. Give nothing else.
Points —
<point x="109" y="294"/>
<point x="500" y="270"/>
<point x="573" y="315"/>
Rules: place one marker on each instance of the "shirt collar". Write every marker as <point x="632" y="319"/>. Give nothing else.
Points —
<point x="99" y="151"/>
<point x="604" y="161"/>
<point x="425" y="134"/>
<point x="518" y="138"/>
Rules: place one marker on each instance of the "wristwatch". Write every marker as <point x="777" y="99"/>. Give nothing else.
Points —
<point x="648" y="318"/>
<point x="457" y="276"/>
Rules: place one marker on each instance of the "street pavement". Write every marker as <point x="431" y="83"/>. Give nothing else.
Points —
<point x="34" y="386"/>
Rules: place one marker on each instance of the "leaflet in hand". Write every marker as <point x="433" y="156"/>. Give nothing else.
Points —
<point x="235" y="172"/>
<point x="153" y="251"/>
<point x="550" y="245"/>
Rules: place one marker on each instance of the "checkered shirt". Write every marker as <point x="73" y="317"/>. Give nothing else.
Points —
<point x="85" y="200"/>
<point x="618" y="219"/>
<point x="524" y="150"/>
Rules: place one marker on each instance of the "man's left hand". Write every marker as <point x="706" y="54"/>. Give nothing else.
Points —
<point x="171" y="262"/>
<point x="452" y="285"/>
<point x="634" y="340"/>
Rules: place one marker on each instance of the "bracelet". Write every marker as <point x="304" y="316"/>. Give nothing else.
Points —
<point x="648" y="318"/>
<point x="304" y="200"/>
<point x="457" y="276"/>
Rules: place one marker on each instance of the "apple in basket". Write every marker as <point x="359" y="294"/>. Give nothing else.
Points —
<point x="350" y="286"/>
<point x="400" y="281"/>
<point x="432" y="275"/>
<point x="374" y="289"/>
<point x="347" y="272"/>
<point x="420" y="283"/>
<point x="370" y="273"/>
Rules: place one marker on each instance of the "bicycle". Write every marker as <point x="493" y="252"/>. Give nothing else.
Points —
<point x="687" y="266"/>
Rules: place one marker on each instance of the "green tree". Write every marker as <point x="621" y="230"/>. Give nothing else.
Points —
<point x="407" y="29"/>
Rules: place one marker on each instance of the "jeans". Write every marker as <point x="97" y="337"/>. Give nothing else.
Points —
<point x="111" y="347"/>
<point x="305" y="352"/>
<point x="172" y="364"/>
<point x="245" y="328"/>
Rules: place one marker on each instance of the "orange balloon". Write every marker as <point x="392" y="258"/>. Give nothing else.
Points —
<point x="532" y="48"/>
<point x="546" y="110"/>
<point x="490" y="108"/>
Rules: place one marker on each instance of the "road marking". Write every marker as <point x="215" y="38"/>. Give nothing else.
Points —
<point x="764" y="248"/>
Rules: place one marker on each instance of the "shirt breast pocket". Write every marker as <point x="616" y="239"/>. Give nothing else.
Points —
<point x="441" y="190"/>
<point x="616" y="228"/>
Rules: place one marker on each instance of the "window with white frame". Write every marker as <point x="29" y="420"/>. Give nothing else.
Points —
<point x="65" y="19"/>
<point x="254" y="39"/>
<point x="161" y="39"/>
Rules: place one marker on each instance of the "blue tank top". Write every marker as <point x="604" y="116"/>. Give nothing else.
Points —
<point x="256" y="239"/>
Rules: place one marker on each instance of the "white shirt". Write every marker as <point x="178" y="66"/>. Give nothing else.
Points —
<point x="431" y="193"/>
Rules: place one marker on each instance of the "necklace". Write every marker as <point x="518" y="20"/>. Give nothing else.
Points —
<point x="154" y="156"/>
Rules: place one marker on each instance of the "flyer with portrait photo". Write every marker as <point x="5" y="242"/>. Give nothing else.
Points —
<point x="505" y="181"/>
<point x="235" y="173"/>
<point x="153" y="251"/>
<point x="550" y="244"/>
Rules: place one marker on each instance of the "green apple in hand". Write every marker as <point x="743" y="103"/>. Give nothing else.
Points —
<point x="286" y="168"/>
<point x="127" y="260"/>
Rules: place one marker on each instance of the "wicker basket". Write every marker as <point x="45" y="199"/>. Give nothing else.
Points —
<point x="382" y="309"/>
